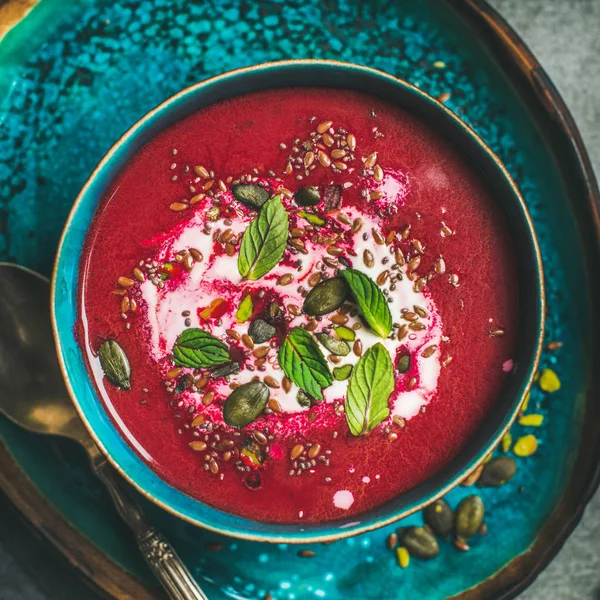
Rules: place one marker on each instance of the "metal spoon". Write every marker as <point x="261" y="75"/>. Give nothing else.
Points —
<point x="33" y="395"/>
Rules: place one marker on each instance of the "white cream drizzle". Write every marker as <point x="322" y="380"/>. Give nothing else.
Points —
<point x="218" y="277"/>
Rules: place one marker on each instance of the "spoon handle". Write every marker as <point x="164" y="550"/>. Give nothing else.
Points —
<point x="155" y="548"/>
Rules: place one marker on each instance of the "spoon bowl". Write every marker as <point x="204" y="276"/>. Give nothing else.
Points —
<point x="32" y="389"/>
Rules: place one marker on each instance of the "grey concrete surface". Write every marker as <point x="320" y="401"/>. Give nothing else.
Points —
<point x="564" y="35"/>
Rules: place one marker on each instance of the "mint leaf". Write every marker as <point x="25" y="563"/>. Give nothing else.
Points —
<point x="264" y="240"/>
<point x="303" y="363"/>
<point x="198" y="349"/>
<point x="370" y="300"/>
<point x="245" y="309"/>
<point x="370" y="386"/>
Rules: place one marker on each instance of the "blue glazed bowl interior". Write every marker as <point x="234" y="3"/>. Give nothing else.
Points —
<point x="295" y="73"/>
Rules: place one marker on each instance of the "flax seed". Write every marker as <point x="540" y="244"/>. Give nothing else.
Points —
<point x="197" y="446"/>
<point x="375" y="194"/>
<point x="233" y="334"/>
<point x="311" y="326"/>
<point x="357" y="348"/>
<point x="309" y="159"/>
<point x="260" y="437"/>
<point x="323" y="127"/>
<point x="379" y="239"/>
<point x="125" y="304"/>
<point x="297" y="451"/>
<point x="440" y="266"/>
<point x="247" y="341"/>
<point x="178" y="206"/>
<point x="198" y="420"/>
<point x="286" y="384"/>
<point x="201" y="172"/>
<point x="294" y="310"/>
<point x="188" y="262"/>
<point x="261" y="351"/>
<point x="139" y="274"/>
<point x="328" y="141"/>
<point x="340" y="165"/>
<point x="410" y="316"/>
<point x="173" y="373"/>
<point x="382" y="277"/>
<point x="429" y="351"/>
<point x="313" y="280"/>
<point x="334" y="251"/>
<point x="208" y="398"/>
<point x="414" y="263"/>
<point x="296" y="232"/>
<point x="274" y="405"/>
<point x="370" y="160"/>
<point x="285" y="279"/>
<point x="271" y="382"/>
<point x="324" y="159"/>
<point x="125" y="282"/>
<point x="357" y="225"/>
<point x="339" y="319"/>
<point x="229" y="249"/>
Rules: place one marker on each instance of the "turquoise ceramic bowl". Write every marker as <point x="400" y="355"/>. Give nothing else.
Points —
<point x="283" y="74"/>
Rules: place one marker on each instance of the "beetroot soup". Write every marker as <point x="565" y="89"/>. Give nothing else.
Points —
<point x="297" y="304"/>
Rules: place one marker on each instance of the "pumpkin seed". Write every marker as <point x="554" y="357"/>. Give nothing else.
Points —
<point x="526" y="445"/>
<point x="469" y="517"/>
<point x="404" y="363"/>
<point x="225" y="370"/>
<point x="549" y="381"/>
<point x="245" y="404"/>
<point x="326" y="297"/>
<point x="337" y="347"/>
<point x="345" y="333"/>
<point x="419" y="542"/>
<point x="342" y="373"/>
<point x="251" y="195"/>
<point x="308" y="196"/>
<point x="303" y="399"/>
<point x="115" y="364"/>
<point x="439" y="517"/>
<point x="498" y="471"/>
<point x="402" y="556"/>
<point x="260" y="331"/>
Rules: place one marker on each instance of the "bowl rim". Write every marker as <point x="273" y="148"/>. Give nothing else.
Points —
<point x="339" y="529"/>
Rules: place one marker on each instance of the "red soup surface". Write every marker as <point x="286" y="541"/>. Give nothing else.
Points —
<point x="298" y="304"/>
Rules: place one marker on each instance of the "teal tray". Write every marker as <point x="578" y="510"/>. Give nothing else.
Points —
<point x="75" y="75"/>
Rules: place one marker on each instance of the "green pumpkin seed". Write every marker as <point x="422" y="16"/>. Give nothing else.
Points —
<point x="404" y="363"/>
<point x="469" y="517"/>
<point x="115" y="364"/>
<point x="342" y="373"/>
<point x="225" y="370"/>
<point x="439" y="517"/>
<point x="251" y="195"/>
<point x="345" y="333"/>
<point x="326" y="297"/>
<point x="260" y="331"/>
<point x="245" y="404"/>
<point x="419" y="542"/>
<point x="312" y="218"/>
<point x="498" y="471"/>
<point x="303" y="399"/>
<point x="308" y="196"/>
<point x="337" y="347"/>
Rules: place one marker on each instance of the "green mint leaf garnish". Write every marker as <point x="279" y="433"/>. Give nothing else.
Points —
<point x="245" y="309"/>
<point x="264" y="240"/>
<point x="370" y="386"/>
<point x="370" y="300"/>
<point x="198" y="349"/>
<point x="115" y="365"/>
<point x="303" y="363"/>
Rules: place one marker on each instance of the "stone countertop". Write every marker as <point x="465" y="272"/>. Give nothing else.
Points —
<point x="563" y="34"/>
